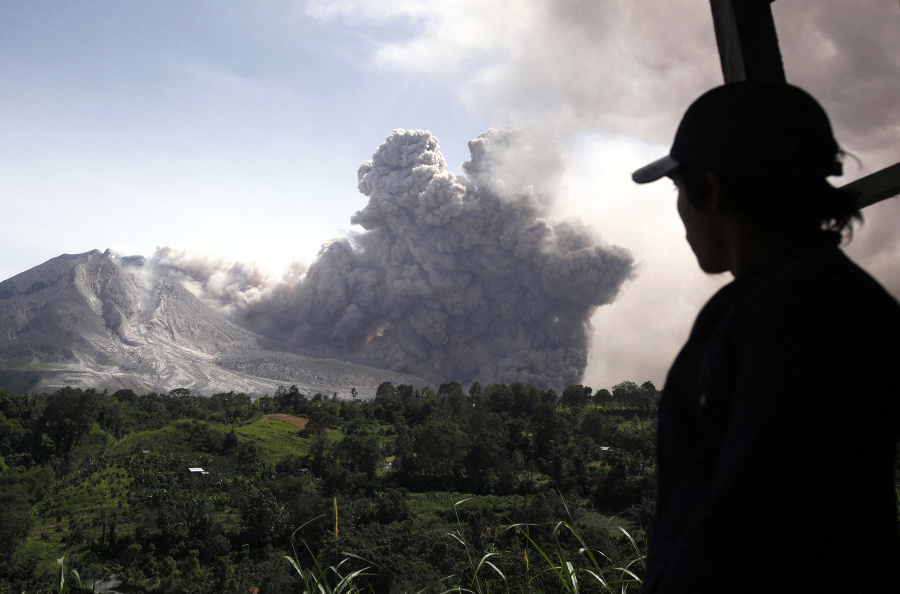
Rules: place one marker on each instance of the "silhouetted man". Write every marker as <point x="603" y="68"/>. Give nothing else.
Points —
<point x="780" y="417"/>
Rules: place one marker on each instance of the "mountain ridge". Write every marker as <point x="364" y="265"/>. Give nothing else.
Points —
<point x="96" y="320"/>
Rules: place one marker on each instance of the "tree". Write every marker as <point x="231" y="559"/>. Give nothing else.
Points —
<point x="320" y="420"/>
<point x="15" y="523"/>
<point x="486" y="455"/>
<point x="499" y="398"/>
<point x="125" y="395"/>
<point x="290" y="400"/>
<point x="439" y="446"/>
<point x="595" y="425"/>
<point x="627" y="393"/>
<point x="457" y="404"/>
<point x="549" y="397"/>
<point x="112" y="416"/>
<point x="152" y="405"/>
<point x="359" y="453"/>
<point x="549" y="429"/>
<point x="525" y="398"/>
<point x="68" y="416"/>
<point x="649" y="397"/>
<point x="12" y="435"/>
<point x="602" y="396"/>
<point x="266" y="404"/>
<point x="387" y="401"/>
<point x="575" y="396"/>
<point x="391" y="506"/>
<point x="448" y="388"/>
<point x="231" y="441"/>
<point x="262" y="517"/>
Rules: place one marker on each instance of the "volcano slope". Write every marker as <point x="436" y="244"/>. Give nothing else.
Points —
<point x="96" y="321"/>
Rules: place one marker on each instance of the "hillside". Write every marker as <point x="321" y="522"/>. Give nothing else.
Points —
<point x="93" y="320"/>
<point x="174" y="493"/>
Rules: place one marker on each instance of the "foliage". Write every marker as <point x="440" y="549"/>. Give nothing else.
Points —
<point x="102" y="480"/>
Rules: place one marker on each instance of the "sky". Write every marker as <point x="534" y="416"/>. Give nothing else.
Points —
<point x="235" y="129"/>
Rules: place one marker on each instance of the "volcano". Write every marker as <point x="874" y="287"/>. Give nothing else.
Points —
<point x="95" y="320"/>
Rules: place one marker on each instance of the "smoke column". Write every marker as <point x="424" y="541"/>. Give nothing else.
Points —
<point x="454" y="278"/>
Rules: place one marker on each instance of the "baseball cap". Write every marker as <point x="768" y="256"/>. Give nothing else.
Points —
<point x="752" y="130"/>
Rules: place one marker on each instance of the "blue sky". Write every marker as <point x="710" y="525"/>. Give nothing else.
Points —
<point x="230" y="127"/>
<point x="236" y="128"/>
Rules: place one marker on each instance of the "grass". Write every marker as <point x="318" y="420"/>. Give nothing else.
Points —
<point x="443" y="503"/>
<point x="588" y="570"/>
<point x="172" y="437"/>
<point x="593" y="565"/>
<point x="476" y="583"/>
<point x="104" y="489"/>
<point x="65" y="578"/>
<point x="277" y="439"/>
<point x="319" y="579"/>
<point x="42" y="553"/>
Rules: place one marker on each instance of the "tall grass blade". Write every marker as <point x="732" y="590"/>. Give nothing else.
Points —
<point x="497" y="569"/>
<point x="553" y="567"/>
<point x="63" y="581"/>
<point x="598" y="579"/>
<point x="346" y="582"/>
<point x="634" y="544"/>
<point x="293" y="562"/>
<point x="61" y="564"/>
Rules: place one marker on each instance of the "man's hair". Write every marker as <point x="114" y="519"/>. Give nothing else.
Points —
<point x="777" y="201"/>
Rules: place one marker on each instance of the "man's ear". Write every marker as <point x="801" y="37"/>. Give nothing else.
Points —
<point x="718" y="202"/>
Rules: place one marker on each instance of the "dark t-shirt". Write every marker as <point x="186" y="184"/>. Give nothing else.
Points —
<point x="778" y="431"/>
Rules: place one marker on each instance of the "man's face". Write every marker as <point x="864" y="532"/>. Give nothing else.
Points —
<point x="704" y="231"/>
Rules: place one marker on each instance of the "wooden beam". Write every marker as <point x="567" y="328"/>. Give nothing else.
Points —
<point x="748" y="44"/>
<point x="878" y="186"/>
<point x="748" y="50"/>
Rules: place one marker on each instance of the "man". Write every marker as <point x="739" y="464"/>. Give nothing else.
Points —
<point x="780" y="417"/>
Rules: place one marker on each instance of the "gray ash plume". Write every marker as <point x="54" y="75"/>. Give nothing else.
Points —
<point x="455" y="277"/>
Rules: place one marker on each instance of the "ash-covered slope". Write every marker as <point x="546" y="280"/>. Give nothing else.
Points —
<point x="91" y="320"/>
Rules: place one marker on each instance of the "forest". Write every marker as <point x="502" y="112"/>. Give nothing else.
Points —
<point x="499" y="488"/>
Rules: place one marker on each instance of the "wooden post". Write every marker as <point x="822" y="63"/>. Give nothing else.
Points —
<point x="878" y="186"/>
<point x="748" y="44"/>
<point x="748" y="50"/>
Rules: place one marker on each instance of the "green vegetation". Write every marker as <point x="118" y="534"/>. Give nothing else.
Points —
<point x="495" y="489"/>
<point x="277" y="440"/>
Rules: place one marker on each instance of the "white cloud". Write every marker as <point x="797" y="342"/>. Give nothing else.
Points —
<point x="637" y="337"/>
<point x="557" y="64"/>
<point x="612" y="78"/>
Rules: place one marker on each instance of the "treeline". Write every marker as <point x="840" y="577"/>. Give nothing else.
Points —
<point x="103" y="479"/>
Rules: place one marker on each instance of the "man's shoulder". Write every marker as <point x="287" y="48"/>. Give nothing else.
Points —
<point x="822" y="279"/>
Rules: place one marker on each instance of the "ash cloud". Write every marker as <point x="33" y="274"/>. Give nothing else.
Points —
<point x="453" y="278"/>
<point x="617" y="74"/>
<point x="232" y="286"/>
